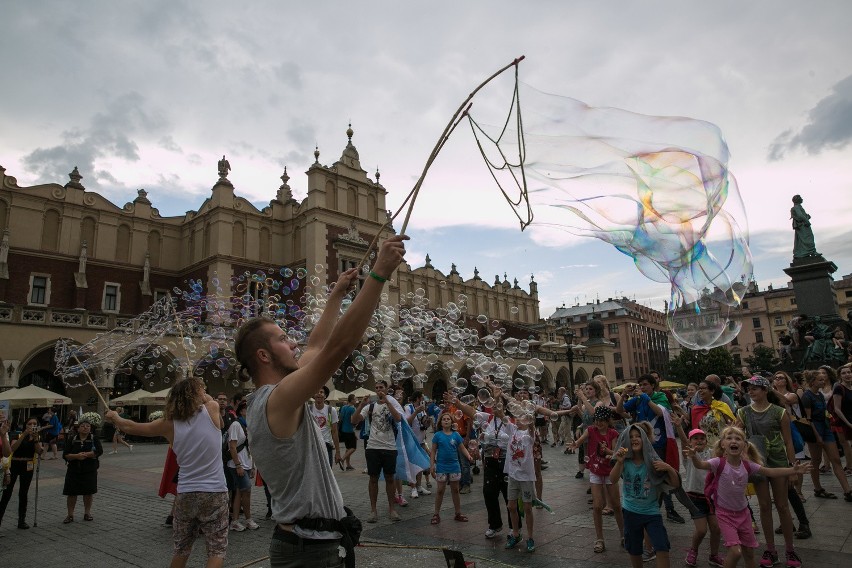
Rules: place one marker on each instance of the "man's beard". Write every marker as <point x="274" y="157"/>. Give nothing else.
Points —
<point x="282" y="367"/>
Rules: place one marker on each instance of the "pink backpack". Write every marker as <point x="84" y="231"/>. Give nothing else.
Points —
<point x="711" y="481"/>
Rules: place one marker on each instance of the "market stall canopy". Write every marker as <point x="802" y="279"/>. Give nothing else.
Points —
<point x="155" y="399"/>
<point x="337" y="396"/>
<point x="32" y="395"/>
<point x="361" y="392"/>
<point x="130" y="399"/>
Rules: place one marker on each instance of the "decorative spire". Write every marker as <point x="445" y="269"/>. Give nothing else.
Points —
<point x="349" y="133"/>
<point x="378" y="175"/>
<point x="428" y="261"/>
<point x="284" y="192"/>
<point x="75" y="179"/>
<point x="316" y="154"/>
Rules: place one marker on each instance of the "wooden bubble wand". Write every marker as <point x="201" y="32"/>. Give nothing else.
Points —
<point x="456" y="119"/>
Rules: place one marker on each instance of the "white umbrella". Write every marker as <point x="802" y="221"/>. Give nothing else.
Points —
<point x="32" y="395"/>
<point x="336" y="396"/>
<point x="155" y="399"/>
<point x="361" y="392"/>
<point x="130" y="399"/>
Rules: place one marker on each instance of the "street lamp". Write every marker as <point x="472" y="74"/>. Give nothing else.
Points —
<point x="568" y="334"/>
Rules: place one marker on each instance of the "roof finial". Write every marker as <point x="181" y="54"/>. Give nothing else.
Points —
<point x="316" y="154"/>
<point x="378" y="175"/>
<point x="350" y="132"/>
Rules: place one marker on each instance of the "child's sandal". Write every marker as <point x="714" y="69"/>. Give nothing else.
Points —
<point x="599" y="545"/>
<point x="460" y="518"/>
<point x="436" y="518"/>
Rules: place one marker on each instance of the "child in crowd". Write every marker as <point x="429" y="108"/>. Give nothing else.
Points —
<point x="693" y="484"/>
<point x="646" y="477"/>
<point x="521" y="471"/>
<point x="735" y="460"/>
<point x="445" y="466"/>
<point x="601" y="439"/>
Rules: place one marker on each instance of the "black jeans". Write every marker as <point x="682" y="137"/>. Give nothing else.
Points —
<point x="493" y="484"/>
<point x="26" y="478"/>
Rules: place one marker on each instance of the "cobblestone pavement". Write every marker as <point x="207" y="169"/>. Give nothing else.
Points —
<point x="128" y="527"/>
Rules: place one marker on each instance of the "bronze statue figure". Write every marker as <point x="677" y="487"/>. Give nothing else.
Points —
<point x="803" y="244"/>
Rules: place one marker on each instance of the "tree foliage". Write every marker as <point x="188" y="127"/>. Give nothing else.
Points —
<point x="693" y="366"/>
<point x="763" y="358"/>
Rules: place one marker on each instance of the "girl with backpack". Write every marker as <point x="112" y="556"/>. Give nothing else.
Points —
<point x="736" y="459"/>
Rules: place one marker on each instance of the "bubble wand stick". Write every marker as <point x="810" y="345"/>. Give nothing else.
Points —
<point x="445" y="135"/>
<point x="91" y="382"/>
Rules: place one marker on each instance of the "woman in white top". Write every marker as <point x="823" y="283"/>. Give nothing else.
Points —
<point x="241" y="470"/>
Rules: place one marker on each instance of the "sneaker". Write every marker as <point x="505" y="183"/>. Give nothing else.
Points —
<point x="579" y="475"/>
<point x="530" y="545"/>
<point x="512" y="541"/>
<point x="803" y="532"/>
<point x="251" y="525"/>
<point x="428" y="484"/>
<point x="237" y="526"/>
<point x="769" y="558"/>
<point x="402" y="502"/>
<point x="674" y="517"/>
<point x="491" y="533"/>
<point x="465" y="490"/>
<point x="372" y="517"/>
<point x="23" y="525"/>
<point x="793" y="560"/>
<point x="112" y="452"/>
<point x="414" y="493"/>
<point x="691" y="557"/>
<point x="423" y="491"/>
<point x="131" y="448"/>
<point x="716" y="560"/>
<point x="648" y="555"/>
<point x="394" y="516"/>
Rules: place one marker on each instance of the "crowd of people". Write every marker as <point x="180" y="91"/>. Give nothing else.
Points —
<point x="643" y="449"/>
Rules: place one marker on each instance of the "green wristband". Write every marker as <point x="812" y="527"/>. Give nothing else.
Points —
<point x="377" y="277"/>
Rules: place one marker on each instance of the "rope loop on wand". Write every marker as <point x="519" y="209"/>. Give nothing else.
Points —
<point x="456" y="119"/>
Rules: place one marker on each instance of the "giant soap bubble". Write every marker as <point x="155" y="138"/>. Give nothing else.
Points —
<point x="657" y="188"/>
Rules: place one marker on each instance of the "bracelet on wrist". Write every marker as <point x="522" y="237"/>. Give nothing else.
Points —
<point x="377" y="277"/>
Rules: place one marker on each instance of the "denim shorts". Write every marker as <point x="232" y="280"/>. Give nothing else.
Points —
<point x="635" y="526"/>
<point x="824" y="431"/>
<point x="243" y="483"/>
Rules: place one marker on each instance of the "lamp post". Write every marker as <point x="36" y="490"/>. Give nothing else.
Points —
<point x="568" y="334"/>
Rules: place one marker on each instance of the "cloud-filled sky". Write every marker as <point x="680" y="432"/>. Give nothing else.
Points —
<point x="150" y="95"/>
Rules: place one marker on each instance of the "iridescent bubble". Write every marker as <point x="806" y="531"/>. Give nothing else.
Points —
<point x="484" y="395"/>
<point x="514" y="310"/>
<point x="510" y="345"/>
<point x="319" y="268"/>
<point x="458" y="414"/>
<point x="520" y="383"/>
<point x="301" y="273"/>
<point x="461" y="384"/>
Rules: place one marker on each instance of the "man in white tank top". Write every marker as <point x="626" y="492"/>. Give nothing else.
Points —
<point x="191" y="424"/>
<point x="279" y="423"/>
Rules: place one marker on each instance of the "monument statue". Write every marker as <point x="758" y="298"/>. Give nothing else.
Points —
<point x="4" y="248"/>
<point x="81" y="268"/>
<point x="803" y="244"/>
<point x="224" y="167"/>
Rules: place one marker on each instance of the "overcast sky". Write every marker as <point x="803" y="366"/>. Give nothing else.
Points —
<point x="151" y="94"/>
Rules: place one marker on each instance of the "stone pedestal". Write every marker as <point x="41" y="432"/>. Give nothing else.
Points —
<point x="814" y="286"/>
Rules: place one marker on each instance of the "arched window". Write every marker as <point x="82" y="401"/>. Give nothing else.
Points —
<point x="373" y="213"/>
<point x="264" y="244"/>
<point x="50" y="230"/>
<point x="87" y="234"/>
<point x="154" y="242"/>
<point x="122" y="244"/>
<point x="238" y="240"/>
<point x="331" y="196"/>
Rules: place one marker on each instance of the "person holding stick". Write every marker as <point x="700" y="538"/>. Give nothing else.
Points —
<point x="289" y="450"/>
<point x="191" y="423"/>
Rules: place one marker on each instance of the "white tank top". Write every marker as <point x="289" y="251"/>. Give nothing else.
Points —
<point x="198" y="447"/>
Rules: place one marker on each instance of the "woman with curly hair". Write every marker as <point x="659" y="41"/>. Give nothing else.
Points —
<point x="191" y="423"/>
<point x="81" y="454"/>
